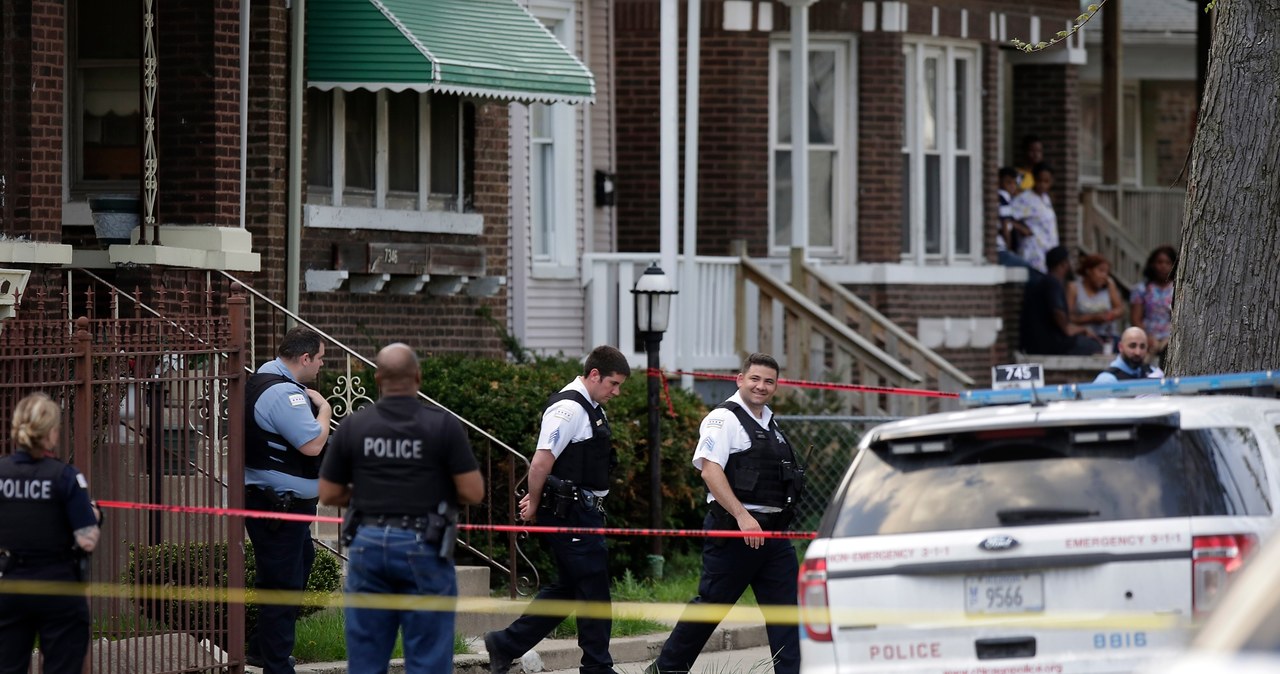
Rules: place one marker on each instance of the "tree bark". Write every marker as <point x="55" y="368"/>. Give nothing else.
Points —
<point x="1226" y="307"/>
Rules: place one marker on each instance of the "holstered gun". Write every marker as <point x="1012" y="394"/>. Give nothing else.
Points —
<point x="559" y="496"/>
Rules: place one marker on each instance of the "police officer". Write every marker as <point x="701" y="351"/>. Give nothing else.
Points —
<point x="404" y="468"/>
<point x="48" y="526"/>
<point x="754" y="483"/>
<point x="286" y="428"/>
<point x="568" y="480"/>
<point x="1132" y="361"/>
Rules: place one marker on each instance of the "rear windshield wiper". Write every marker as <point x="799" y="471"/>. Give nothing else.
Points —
<point x="1041" y="513"/>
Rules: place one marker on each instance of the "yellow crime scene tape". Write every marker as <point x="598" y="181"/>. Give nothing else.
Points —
<point x="663" y="612"/>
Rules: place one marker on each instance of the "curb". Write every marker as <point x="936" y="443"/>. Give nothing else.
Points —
<point x="555" y="654"/>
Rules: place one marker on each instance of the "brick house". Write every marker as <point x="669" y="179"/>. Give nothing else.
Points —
<point x="427" y="183"/>
<point x="913" y="107"/>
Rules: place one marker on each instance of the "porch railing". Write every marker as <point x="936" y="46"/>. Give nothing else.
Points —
<point x="1124" y="224"/>
<point x="734" y="305"/>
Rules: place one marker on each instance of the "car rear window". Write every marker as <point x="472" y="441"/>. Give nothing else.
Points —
<point x="1046" y="474"/>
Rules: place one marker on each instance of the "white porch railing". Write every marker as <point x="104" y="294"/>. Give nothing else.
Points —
<point x="1126" y="223"/>
<point x="704" y="308"/>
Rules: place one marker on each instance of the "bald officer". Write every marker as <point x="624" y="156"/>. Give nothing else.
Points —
<point x="404" y="468"/>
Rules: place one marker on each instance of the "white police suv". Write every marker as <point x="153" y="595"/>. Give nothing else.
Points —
<point x="1062" y="534"/>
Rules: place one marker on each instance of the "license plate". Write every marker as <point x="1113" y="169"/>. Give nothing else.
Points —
<point x="1014" y="593"/>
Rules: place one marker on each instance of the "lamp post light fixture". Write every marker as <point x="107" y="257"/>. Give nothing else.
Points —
<point x="653" y="291"/>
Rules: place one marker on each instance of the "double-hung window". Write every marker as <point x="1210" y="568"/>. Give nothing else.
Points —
<point x="384" y="155"/>
<point x="829" y="128"/>
<point x="1091" y="134"/>
<point x="941" y="152"/>
<point x="553" y="193"/>
<point x="104" y="109"/>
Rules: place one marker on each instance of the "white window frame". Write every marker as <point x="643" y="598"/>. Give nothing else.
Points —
<point x="1131" y="165"/>
<point x="560" y="258"/>
<point x="948" y="52"/>
<point x="330" y="207"/>
<point x="844" y="175"/>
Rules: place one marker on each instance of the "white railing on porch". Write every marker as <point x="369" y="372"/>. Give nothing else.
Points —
<point x="704" y="308"/>
<point x="1126" y="223"/>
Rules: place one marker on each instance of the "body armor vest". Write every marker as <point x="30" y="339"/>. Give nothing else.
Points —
<point x="1143" y="373"/>
<point x="586" y="463"/>
<point x="32" y="517"/>
<point x="257" y="453"/>
<point x="767" y="474"/>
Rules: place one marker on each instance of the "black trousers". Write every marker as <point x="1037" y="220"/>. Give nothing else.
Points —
<point x="582" y="574"/>
<point x="283" y="554"/>
<point x="62" y="624"/>
<point x="729" y="566"/>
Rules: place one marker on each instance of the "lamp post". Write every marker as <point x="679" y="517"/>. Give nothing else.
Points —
<point x="653" y="293"/>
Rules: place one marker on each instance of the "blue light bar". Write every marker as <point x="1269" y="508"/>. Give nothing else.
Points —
<point x="1124" y="389"/>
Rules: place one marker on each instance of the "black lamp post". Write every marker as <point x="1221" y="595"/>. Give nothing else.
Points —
<point x="653" y="293"/>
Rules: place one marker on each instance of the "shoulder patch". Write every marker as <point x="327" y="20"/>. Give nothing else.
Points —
<point x="84" y="484"/>
<point x="297" y="399"/>
<point x="713" y="422"/>
<point x="563" y="413"/>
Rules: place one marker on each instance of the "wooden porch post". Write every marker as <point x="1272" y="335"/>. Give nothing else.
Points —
<point x="1112" y="93"/>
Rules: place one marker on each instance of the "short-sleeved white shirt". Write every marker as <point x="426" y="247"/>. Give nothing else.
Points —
<point x="566" y="422"/>
<point x="721" y="434"/>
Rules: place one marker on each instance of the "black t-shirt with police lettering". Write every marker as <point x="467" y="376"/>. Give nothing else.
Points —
<point x="399" y="456"/>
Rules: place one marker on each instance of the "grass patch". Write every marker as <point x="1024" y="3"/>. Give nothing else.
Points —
<point x="321" y="639"/>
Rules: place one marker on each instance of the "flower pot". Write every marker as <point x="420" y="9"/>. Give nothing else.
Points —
<point x="114" y="216"/>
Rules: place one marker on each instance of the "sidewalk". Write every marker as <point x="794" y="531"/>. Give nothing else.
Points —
<point x="730" y="649"/>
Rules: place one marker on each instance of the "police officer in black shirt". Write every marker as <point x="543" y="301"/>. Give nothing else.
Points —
<point x="403" y="468"/>
<point x="48" y="526"/>
<point x="754" y="482"/>
<point x="568" y="480"/>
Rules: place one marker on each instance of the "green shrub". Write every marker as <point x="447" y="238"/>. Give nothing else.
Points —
<point x="174" y="584"/>
<point x="507" y="400"/>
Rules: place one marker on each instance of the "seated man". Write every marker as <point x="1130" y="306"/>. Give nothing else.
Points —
<point x="1045" y="327"/>
<point x="1132" y="361"/>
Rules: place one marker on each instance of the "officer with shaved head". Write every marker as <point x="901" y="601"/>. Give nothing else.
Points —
<point x="403" y="468"/>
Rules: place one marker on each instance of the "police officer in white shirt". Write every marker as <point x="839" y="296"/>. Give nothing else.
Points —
<point x="754" y="482"/>
<point x="568" y="480"/>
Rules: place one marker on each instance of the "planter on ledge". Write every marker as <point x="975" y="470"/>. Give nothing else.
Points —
<point x="115" y="216"/>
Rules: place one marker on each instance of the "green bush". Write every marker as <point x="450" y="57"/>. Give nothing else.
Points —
<point x="507" y="400"/>
<point x="174" y="584"/>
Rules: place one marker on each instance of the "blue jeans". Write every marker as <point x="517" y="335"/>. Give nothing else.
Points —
<point x="392" y="560"/>
<point x="283" y="554"/>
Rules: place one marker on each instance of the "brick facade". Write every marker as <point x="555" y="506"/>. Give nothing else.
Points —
<point x="199" y="145"/>
<point x="734" y="157"/>
<point x="31" y="117"/>
<point x="1175" y="108"/>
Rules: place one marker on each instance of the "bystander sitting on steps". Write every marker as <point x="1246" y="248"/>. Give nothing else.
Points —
<point x="1045" y="327"/>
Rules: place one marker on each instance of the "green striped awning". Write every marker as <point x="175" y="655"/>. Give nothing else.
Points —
<point x="487" y="48"/>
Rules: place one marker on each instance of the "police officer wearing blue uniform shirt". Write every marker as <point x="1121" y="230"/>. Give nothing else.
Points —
<point x="48" y="526"/>
<point x="754" y="483"/>
<point x="568" y="480"/>
<point x="404" y="468"/>
<point x="286" y="428"/>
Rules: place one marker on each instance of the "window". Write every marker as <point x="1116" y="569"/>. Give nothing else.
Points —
<point x="389" y="150"/>
<point x="941" y="150"/>
<point x="829" y="70"/>
<point x="104" y="110"/>
<point x="1091" y="134"/>
<point x="553" y="187"/>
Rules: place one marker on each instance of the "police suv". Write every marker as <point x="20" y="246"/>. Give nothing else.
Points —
<point x="1069" y="531"/>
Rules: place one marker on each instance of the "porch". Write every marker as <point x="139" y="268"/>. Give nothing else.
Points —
<point x="1125" y="223"/>
<point x="731" y="306"/>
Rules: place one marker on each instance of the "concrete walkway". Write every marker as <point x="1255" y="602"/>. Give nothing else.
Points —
<point x="741" y="649"/>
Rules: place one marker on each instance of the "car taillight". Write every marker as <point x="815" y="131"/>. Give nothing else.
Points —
<point x="1213" y="560"/>
<point x="814" y="612"/>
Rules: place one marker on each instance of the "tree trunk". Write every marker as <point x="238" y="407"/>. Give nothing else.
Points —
<point x="1226" y="308"/>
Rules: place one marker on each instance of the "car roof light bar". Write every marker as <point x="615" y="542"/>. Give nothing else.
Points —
<point x="1244" y="382"/>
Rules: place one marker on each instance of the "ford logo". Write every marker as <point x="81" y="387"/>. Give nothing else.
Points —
<point x="998" y="543"/>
